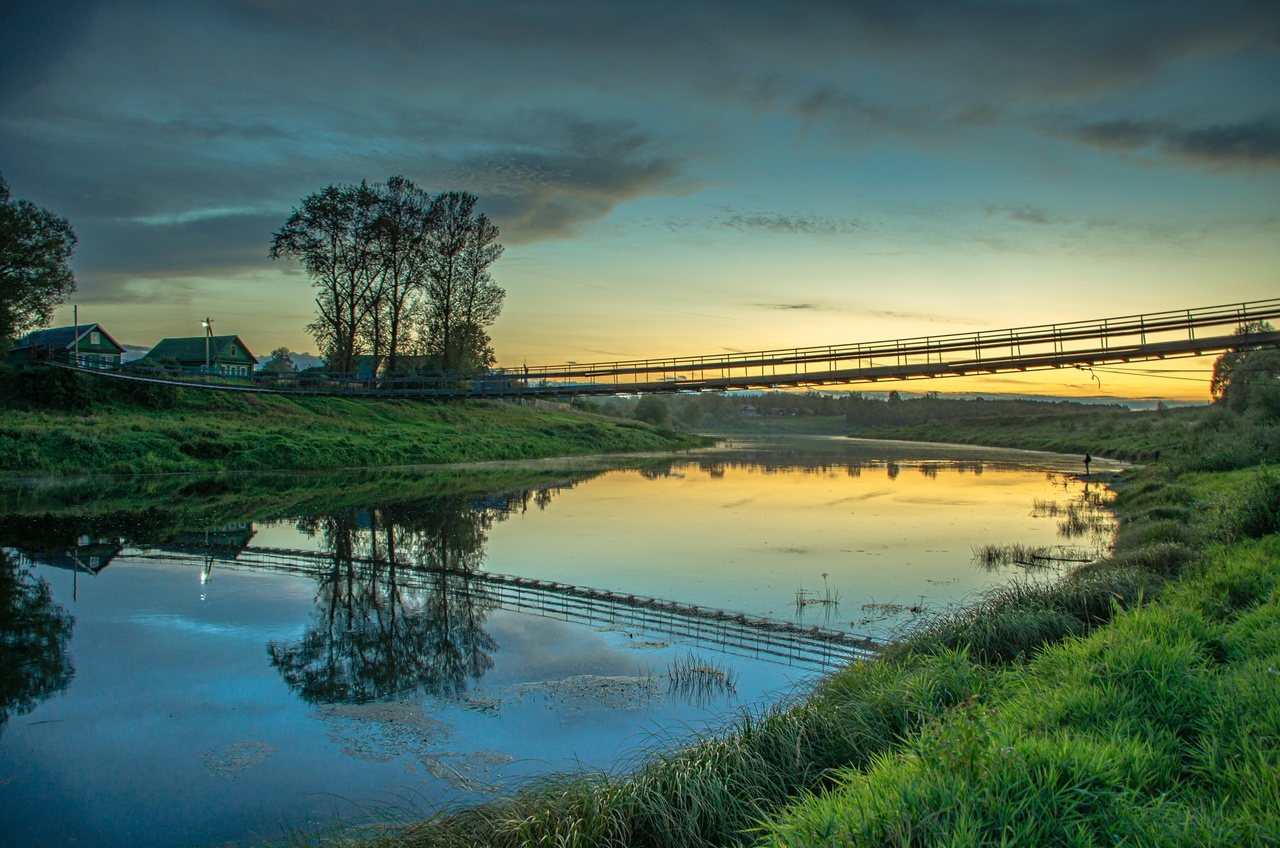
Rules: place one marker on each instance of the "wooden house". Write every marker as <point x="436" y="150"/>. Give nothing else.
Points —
<point x="226" y="355"/>
<point x="94" y="345"/>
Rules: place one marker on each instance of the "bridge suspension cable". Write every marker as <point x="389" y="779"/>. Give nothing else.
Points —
<point x="1127" y="338"/>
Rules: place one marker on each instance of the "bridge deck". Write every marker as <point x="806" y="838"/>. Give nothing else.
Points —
<point x="1129" y="338"/>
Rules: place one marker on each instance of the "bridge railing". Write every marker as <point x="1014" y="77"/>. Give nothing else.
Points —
<point x="1150" y="335"/>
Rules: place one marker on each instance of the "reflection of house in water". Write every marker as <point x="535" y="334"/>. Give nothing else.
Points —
<point x="87" y="556"/>
<point x="221" y="544"/>
<point x="224" y="543"/>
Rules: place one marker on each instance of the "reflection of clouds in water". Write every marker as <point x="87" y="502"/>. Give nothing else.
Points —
<point x="959" y="502"/>
<point x="155" y="621"/>
<point x="381" y="731"/>
<point x="591" y="691"/>
<point x="855" y="498"/>
<point x="535" y="648"/>
<point x="236" y="758"/>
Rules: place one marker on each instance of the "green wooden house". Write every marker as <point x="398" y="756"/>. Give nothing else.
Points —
<point x="93" y="344"/>
<point x="226" y="355"/>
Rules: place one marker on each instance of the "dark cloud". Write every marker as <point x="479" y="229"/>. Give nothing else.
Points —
<point x="35" y="37"/>
<point x="1023" y="213"/>
<point x="125" y="251"/>
<point x="1055" y="48"/>
<point x="828" y="103"/>
<point x="584" y="170"/>
<point x="1250" y="144"/>
<point x="787" y="305"/>
<point x="1059" y="47"/>
<point x="1256" y="143"/>
<point x="791" y="224"/>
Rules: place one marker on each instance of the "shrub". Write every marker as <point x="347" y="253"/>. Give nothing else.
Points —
<point x="652" y="410"/>
<point x="1257" y="512"/>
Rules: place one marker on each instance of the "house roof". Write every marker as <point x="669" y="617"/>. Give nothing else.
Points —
<point x="63" y="338"/>
<point x="192" y="349"/>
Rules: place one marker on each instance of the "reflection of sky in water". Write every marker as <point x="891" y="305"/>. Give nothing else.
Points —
<point x="176" y="728"/>
<point x="748" y="540"/>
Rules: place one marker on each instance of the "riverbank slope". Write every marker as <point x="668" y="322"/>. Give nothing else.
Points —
<point x="58" y="422"/>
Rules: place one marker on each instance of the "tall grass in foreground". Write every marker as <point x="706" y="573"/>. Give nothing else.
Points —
<point x="1162" y="729"/>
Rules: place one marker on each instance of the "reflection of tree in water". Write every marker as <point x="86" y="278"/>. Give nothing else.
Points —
<point x="34" y="635"/>
<point x="400" y="610"/>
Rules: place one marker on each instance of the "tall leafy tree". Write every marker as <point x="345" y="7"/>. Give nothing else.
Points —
<point x="35" y="247"/>
<point x="332" y="235"/>
<point x="480" y="298"/>
<point x="1245" y="370"/>
<point x="390" y="262"/>
<point x="281" y="362"/>
<point x="446" y="268"/>
<point x="402" y="234"/>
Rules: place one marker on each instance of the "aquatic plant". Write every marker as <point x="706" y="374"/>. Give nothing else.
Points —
<point x="699" y="680"/>
<point x="829" y="598"/>
<point x="991" y="556"/>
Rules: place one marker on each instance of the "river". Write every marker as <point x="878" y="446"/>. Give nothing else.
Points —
<point x="197" y="661"/>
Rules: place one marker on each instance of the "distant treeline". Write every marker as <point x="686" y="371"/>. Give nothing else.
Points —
<point x="858" y="412"/>
<point x="867" y="412"/>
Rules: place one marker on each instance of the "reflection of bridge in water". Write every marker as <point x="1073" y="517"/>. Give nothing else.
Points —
<point x="738" y="634"/>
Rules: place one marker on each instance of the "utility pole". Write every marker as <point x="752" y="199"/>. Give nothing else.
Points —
<point x="75" y="316"/>
<point x="208" y="337"/>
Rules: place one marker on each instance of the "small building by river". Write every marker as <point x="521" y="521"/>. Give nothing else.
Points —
<point x="93" y="345"/>
<point x="226" y="355"/>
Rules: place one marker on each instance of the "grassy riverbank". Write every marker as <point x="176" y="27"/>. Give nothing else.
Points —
<point x="1134" y="701"/>
<point x="65" y="423"/>
<point x="1187" y="438"/>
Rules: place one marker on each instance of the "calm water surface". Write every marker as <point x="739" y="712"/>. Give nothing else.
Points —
<point x="203" y="661"/>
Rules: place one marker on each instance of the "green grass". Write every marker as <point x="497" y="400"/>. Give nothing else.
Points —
<point x="1206" y="438"/>
<point x="1160" y="729"/>
<point x="214" y="431"/>
<point x="1140" y="436"/>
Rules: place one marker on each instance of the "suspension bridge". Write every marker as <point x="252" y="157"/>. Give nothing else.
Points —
<point x="1079" y="344"/>
<point x="811" y="647"/>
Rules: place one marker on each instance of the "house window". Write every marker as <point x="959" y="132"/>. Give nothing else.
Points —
<point x="233" y="350"/>
<point x="95" y="338"/>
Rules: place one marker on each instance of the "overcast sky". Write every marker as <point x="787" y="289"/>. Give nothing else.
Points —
<point x="669" y="178"/>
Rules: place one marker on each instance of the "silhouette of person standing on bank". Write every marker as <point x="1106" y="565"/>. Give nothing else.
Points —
<point x="1087" y="458"/>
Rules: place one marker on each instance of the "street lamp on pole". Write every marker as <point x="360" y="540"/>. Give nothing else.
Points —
<point x="208" y="337"/>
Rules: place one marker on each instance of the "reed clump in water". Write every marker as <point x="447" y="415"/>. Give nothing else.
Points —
<point x="992" y="556"/>
<point x="829" y="598"/>
<point x="699" y="679"/>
